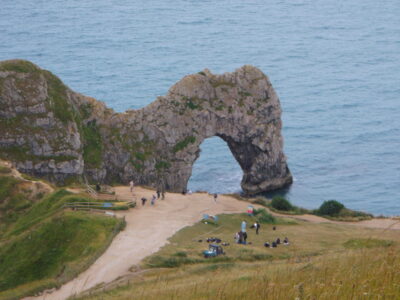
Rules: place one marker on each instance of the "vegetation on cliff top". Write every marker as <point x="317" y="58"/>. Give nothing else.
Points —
<point x="330" y="209"/>
<point x="25" y="123"/>
<point x="18" y="65"/>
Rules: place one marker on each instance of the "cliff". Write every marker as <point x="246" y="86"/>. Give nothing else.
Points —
<point x="48" y="130"/>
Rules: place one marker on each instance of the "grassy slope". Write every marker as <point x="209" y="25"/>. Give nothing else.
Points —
<point x="323" y="261"/>
<point x="15" y="200"/>
<point x="45" y="246"/>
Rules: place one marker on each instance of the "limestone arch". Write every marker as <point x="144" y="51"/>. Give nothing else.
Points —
<point x="159" y="142"/>
<point x="241" y="108"/>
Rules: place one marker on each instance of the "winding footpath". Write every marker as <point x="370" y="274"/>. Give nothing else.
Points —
<point x="149" y="227"/>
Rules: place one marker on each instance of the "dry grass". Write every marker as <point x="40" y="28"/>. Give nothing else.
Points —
<point x="324" y="261"/>
<point x="361" y="274"/>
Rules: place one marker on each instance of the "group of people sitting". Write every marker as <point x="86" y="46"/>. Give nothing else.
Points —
<point x="214" y="240"/>
<point x="277" y="242"/>
<point x="241" y="237"/>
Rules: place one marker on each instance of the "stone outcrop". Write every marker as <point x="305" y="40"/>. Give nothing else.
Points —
<point x="48" y="130"/>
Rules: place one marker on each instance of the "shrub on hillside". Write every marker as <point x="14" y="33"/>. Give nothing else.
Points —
<point x="330" y="208"/>
<point x="281" y="203"/>
<point x="263" y="216"/>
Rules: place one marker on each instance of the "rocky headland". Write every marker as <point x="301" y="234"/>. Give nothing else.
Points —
<point x="50" y="131"/>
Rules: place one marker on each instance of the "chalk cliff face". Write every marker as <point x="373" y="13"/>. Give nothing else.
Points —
<point x="48" y="130"/>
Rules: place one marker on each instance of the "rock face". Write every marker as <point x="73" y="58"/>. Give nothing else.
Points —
<point x="48" y="130"/>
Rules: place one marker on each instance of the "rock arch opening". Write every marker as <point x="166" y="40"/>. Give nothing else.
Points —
<point x="215" y="170"/>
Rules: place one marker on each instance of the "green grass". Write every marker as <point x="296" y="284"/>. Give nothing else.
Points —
<point x="14" y="201"/>
<point x="56" y="251"/>
<point x="17" y="65"/>
<point x="48" y="206"/>
<point x="43" y="246"/>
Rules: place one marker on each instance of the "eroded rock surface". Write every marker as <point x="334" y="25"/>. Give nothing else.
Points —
<point x="48" y="130"/>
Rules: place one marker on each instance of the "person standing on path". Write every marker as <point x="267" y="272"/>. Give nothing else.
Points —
<point x="215" y="197"/>
<point x="162" y="195"/>
<point x="131" y="185"/>
<point x="158" y="194"/>
<point x="143" y="201"/>
<point x="153" y="200"/>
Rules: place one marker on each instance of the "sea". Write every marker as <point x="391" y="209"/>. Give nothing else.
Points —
<point x="335" y="65"/>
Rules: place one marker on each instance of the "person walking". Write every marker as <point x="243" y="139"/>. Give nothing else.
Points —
<point x="162" y="195"/>
<point x="153" y="200"/>
<point x="131" y="185"/>
<point x="143" y="201"/>
<point x="158" y="194"/>
<point x="215" y="197"/>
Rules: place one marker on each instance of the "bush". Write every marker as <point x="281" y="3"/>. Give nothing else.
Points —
<point x="281" y="203"/>
<point x="263" y="216"/>
<point x="330" y="208"/>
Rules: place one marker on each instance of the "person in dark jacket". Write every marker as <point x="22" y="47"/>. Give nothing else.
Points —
<point x="257" y="226"/>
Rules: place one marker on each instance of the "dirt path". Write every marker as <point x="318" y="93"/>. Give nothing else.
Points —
<point x="148" y="229"/>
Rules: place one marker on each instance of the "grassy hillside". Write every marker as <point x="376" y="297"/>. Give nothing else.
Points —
<point x="323" y="261"/>
<point x="41" y="244"/>
<point x="16" y="197"/>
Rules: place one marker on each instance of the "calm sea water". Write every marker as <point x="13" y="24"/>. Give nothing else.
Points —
<point x="335" y="65"/>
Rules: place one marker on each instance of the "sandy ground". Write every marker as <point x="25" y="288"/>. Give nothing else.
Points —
<point x="149" y="227"/>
